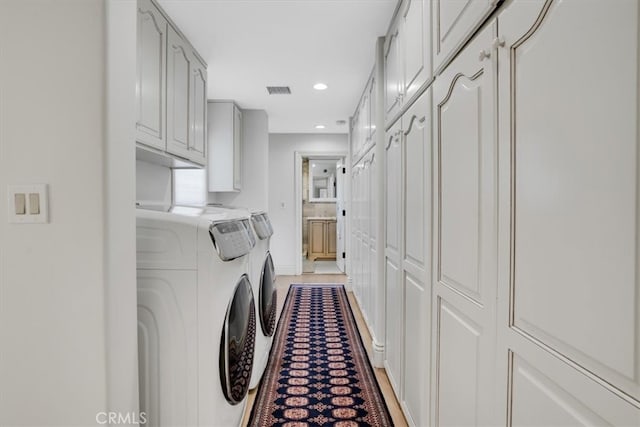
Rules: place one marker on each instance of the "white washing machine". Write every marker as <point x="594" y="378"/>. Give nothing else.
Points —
<point x="262" y="277"/>
<point x="196" y="316"/>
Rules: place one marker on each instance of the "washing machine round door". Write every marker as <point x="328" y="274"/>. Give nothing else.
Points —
<point x="237" y="344"/>
<point x="268" y="297"/>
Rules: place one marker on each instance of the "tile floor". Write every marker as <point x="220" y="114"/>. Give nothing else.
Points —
<point x="326" y="267"/>
<point x="282" y="283"/>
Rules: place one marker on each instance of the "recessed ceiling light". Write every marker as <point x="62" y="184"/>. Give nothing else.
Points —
<point x="320" y="126"/>
<point x="320" y="86"/>
<point x="313" y="165"/>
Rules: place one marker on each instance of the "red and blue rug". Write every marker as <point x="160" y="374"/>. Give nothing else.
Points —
<point x="318" y="372"/>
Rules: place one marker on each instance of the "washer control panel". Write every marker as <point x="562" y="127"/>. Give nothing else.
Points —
<point x="262" y="225"/>
<point x="231" y="239"/>
<point x="252" y="237"/>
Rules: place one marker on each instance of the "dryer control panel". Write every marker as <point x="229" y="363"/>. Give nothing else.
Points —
<point x="231" y="239"/>
<point x="262" y="225"/>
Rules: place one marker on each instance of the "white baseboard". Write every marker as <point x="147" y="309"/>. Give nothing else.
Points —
<point x="349" y="285"/>
<point x="285" y="270"/>
<point x="378" y="354"/>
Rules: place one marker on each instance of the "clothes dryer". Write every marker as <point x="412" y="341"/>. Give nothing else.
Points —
<point x="196" y="316"/>
<point x="262" y="277"/>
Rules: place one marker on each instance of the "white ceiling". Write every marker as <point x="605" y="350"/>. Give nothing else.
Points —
<point x="251" y="44"/>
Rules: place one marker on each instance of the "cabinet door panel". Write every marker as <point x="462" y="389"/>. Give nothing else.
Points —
<point x="392" y="190"/>
<point x="548" y="394"/>
<point x="416" y="153"/>
<point x="573" y="182"/>
<point x="417" y="52"/>
<point x="331" y="238"/>
<point x="465" y="273"/>
<point x="151" y="77"/>
<point x="371" y="205"/>
<point x="394" y="326"/>
<point x="458" y="351"/>
<point x="467" y="186"/>
<point x="365" y="121"/>
<point x="355" y="136"/>
<point x="316" y="242"/>
<point x="454" y="21"/>
<point x="416" y="349"/>
<point x="372" y="108"/>
<point x="178" y="91"/>
<point x="393" y="71"/>
<point x="197" y="145"/>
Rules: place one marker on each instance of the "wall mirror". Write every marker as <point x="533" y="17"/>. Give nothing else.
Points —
<point x="322" y="179"/>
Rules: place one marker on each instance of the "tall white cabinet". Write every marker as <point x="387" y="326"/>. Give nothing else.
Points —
<point x="536" y="296"/>
<point x="465" y="236"/>
<point x="569" y="290"/>
<point x="407" y="257"/>
<point x="366" y="254"/>
<point x="510" y="185"/>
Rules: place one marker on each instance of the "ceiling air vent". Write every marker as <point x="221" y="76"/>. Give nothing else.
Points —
<point x="279" y="90"/>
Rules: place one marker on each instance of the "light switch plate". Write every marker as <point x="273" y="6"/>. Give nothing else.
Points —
<point x="33" y="194"/>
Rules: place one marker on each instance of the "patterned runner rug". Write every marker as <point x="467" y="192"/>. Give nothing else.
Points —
<point x="318" y="372"/>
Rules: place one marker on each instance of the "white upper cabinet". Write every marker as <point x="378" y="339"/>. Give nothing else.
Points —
<point x="224" y="138"/>
<point x="407" y="56"/>
<point x="454" y="22"/>
<point x="363" y="124"/>
<point x="171" y="88"/>
<point x="179" y="63"/>
<point x="151" y="77"/>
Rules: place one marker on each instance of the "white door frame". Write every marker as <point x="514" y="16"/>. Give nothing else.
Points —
<point x="299" y="155"/>
<point x="341" y="221"/>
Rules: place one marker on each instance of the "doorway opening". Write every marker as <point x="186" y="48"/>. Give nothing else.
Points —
<point x="321" y="214"/>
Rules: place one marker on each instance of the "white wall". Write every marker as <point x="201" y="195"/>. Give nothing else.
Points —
<point x="153" y="183"/>
<point x="282" y="208"/>
<point x="54" y="366"/>
<point x="255" y="164"/>
<point x="119" y="197"/>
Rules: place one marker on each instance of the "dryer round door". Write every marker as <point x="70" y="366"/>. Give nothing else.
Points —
<point x="267" y="296"/>
<point x="238" y="342"/>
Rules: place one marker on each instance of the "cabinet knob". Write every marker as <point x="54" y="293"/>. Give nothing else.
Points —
<point x="484" y="54"/>
<point x="498" y="42"/>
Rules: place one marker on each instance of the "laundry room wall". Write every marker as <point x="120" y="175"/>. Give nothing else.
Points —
<point x="54" y="360"/>
<point x="255" y="164"/>
<point x="153" y="183"/>
<point x="282" y="203"/>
